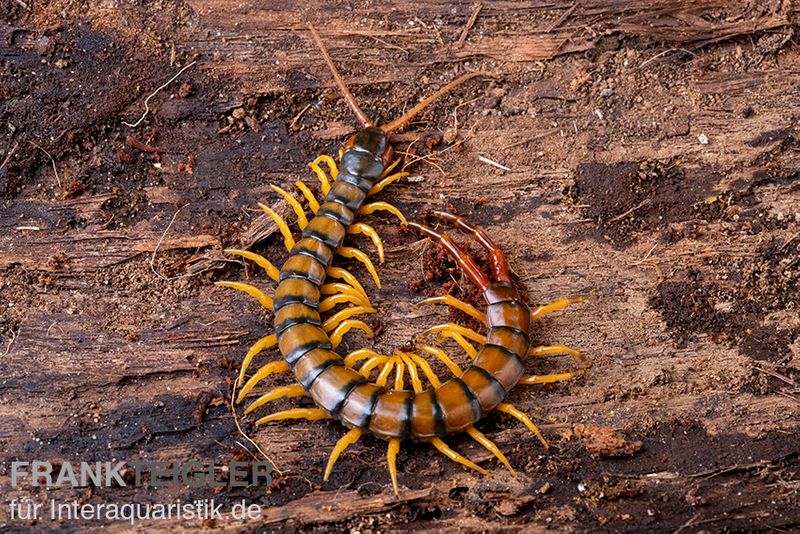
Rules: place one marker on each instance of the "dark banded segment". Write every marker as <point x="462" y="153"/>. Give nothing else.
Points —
<point x="294" y="314"/>
<point x="331" y="387"/>
<point x="357" y="408"/>
<point x="308" y="246"/>
<point x="391" y="415"/>
<point x="511" y="338"/>
<point x="338" y="212"/>
<point x="361" y="165"/>
<point x="299" y="339"/>
<point x="501" y="363"/>
<point x="485" y="387"/>
<point x="346" y="194"/>
<point x="460" y="408"/>
<point x="312" y="363"/>
<point x="303" y="266"/>
<point x="426" y="416"/>
<point x="292" y="290"/>
<point x="514" y="313"/>
<point x="326" y="230"/>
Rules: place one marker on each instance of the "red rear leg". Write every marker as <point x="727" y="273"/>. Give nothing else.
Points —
<point x="463" y="259"/>
<point x="498" y="259"/>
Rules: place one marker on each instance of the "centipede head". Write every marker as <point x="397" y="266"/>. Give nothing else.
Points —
<point x="371" y="133"/>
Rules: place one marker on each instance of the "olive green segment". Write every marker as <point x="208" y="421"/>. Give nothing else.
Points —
<point x="502" y="364"/>
<point x="330" y="389"/>
<point x="293" y="314"/>
<point x="426" y="420"/>
<point x="305" y="266"/>
<point x="513" y="314"/>
<point x="312" y="363"/>
<point x="296" y="290"/>
<point x="295" y="339"/>
<point x="457" y="406"/>
<point x="391" y="416"/>
<point x="316" y="248"/>
<point x="347" y="194"/>
<point x="510" y="338"/>
<point x="489" y="391"/>
<point x="330" y="231"/>
<point x="357" y="408"/>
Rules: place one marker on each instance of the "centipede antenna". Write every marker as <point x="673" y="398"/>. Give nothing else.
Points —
<point x="411" y="113"/>
<point x="348" y="96"/>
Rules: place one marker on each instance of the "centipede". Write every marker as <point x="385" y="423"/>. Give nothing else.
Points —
<point x="342" y="387"/>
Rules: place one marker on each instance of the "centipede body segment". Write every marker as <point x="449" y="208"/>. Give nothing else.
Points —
<point x="307" y="341"/>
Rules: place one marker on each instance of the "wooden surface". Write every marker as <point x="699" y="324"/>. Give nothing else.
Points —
<point x="653" y="156"/>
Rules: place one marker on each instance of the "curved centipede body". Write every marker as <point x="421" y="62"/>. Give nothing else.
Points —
<point x="308" y="342"/>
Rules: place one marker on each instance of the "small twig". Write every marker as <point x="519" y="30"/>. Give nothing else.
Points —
<point x="8" y="156"/>
<point x="625" y="214"/>
<point x="154" y="93"/>
<point x="776" y="375"/>
<point x="298" y="116"/>
<point x="142" y="147"/>
<point x="493" y="163"/>
<point x="644" y="259"/>
<point x="52" y="161"/>
<point x="688" y="524"/>
<point x="476" y="9"/>
<point x="33" y="228"/>
<point x="22" y="4"/>
<point x="10" y="344"/>
<point x="530" y="139"/>
<point x="664" y="53"/>
<point x="562" y="18"/>
<point x="245" y="436"/>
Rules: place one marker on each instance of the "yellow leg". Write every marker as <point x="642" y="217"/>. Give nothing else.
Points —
<point x="530" y="380"/>
<point x="491" y="447"/>
<point x="391" y="460"/>
<point x="295" y="390"/>
<point x="302" y="221"/>
<point x="369" y="231"/>
<point x="266" y="342"/>
<point x="330" y="162"/>
<point x="399" y="372"/>
<point x="449" y="300"/>
<point x="347" y="276"/>
<point x="346" y="326"/>
<point x="556" y="305"/>
<point x="442" y="355"/>
<point x="367" y="209"/>
<point x="288" y="240"/>
<point x="350" y="252"/>
<point x="313" y="205"/>
<point x="344" y="442"/>
<point x="447" y="328"/>
<point x="264" y="299"/>
<point x="383" y="376"/>
<point x="559" y="349"/>
<point x="370" y="364"/>
<point x="334" y="320"/>
<point x="260" y="260"/>
<point x="359" y="354"/>
<point x="312" y="414"/>
<point x="442" y="447"/>
<point x="324" y="184"/>
<point x="346" y="289"/>
<point x="426" y="370"/>
<point x="413" y="375"/>
<point x="463" y="343"/>
<point x="385" y="182"/>
<point x="511" y="410"/>
<point x="389" y="169"/>
<point x="339" y="298"/>
<point x="279" y="366"/>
